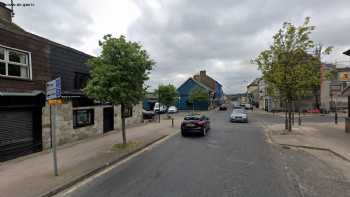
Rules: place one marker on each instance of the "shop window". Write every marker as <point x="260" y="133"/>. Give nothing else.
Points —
<point x="83" y="117"/>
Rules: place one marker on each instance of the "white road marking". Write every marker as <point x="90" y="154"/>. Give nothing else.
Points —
<point x="70" y="190"/>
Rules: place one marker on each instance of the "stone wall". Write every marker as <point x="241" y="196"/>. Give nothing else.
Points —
<point x="65" y="133"/>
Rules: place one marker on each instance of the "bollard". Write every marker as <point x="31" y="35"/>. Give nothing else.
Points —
<point x="172" y="122"/>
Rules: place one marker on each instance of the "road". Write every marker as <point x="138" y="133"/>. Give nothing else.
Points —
<point x="234" y="159"/>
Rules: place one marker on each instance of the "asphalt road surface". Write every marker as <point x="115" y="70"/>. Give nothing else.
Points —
<point x="234" y="159"/>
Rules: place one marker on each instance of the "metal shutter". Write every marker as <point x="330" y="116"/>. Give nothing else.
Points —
<point x="16" y="131"/>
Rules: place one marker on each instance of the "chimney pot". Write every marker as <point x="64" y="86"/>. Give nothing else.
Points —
<point x="202" y="73"/>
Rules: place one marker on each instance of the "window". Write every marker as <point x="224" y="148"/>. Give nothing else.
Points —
<point x="83" y="117"/>
<point x="14" y="63"/>
<point x="127" y="112"/>
<point x="80" y="80"/>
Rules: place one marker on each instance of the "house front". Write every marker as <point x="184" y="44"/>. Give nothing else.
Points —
<point x="213" y="85"/>
<point x="27" y="63"/>
<point x="185" y="90"/>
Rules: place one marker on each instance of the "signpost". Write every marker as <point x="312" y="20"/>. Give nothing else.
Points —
<point x="335" y="91"/>
<point x="53" y="96"/>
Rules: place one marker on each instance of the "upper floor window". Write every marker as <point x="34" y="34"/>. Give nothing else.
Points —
<point x="15" y="63"/>
<point x="80" y="80"/>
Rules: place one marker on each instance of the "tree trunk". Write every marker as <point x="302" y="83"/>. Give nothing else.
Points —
<point x="289" y="116"/>
<point x="123" y="123"/>
<point x="286" y="117"/>
<point x="293" y="110"/>
<point x="299" y="118"/>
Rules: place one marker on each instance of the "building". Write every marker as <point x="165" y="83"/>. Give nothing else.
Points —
<point x="330" y="89"/>
<point x="213" y="85"/>
<point x="253" y="92"/>
<point x="265" y="100"/>
<point x="27" y="62"/>
<point x="185" y="90"/>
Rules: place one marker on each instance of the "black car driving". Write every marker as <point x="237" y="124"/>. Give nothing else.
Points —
<point x="195" y="123"/>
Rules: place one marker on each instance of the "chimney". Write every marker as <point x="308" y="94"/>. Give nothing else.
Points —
<point x="202" y="73"/>
<point x="5" y="13"/>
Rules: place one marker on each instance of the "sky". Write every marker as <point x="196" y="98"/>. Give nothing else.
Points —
<point x="184" y="37"/>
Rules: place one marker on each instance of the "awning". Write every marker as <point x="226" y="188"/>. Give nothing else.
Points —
<point x="33" y="93"/>
<point x="347" y="52"/>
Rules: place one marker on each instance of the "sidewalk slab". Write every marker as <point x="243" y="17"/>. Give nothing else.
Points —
<point x="325" y="136"/>
<point x="33" y="176"/>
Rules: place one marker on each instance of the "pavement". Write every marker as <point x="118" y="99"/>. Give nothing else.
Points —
<point x="316" y="135"/>
<point x="33" y="175"/>
<point x="234" y="159"/>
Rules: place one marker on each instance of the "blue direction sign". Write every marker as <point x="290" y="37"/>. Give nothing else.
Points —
<point x="53" y="89"/>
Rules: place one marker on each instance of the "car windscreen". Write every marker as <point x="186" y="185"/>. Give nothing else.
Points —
<point x="239" y="111"/>
<point x="192" y="118"/>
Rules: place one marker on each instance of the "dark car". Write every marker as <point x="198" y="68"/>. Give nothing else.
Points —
<point x="195" y="123"/>
<point x="223" y="108"/>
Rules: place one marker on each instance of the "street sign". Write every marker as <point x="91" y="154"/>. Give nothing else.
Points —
<point x="53" y="89"/>
<point x="53" y="95"/>
<point x="55" y="101"/>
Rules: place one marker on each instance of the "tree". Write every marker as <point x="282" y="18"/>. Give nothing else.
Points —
<point x="198" y="95"/>
<point x="119" y="73"/>
<point x="167" y="94"/>
<point x="287" y="65"/>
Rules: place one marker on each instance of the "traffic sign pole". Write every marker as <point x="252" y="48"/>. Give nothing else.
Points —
<point x="53" y="95"/>
<point x="54" y="146"/>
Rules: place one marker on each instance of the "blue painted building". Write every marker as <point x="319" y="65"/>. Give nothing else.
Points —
<point x="185" y="90"/>
<point x="218" y="94"/>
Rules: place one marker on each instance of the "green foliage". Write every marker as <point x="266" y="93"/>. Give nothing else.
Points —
<point x="119" y="73"/>
<point x="331" y="75"/>
<point x="288" y="68"/>
<point x="167" y="94"/>
<point x="198" y="95"/>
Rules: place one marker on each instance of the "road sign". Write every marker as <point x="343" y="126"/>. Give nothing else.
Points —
<point x="55" y="101"/>
<point x="53" y="89"/>
<point x="53" y="95"/>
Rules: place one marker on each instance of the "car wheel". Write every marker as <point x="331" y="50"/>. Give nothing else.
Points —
<point x="183" y="133"/>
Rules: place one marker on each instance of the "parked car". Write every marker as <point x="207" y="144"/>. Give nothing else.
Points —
<point x="148" y="115"/>
<point x="195" y="123"/>
<point x="223" y="107"/>
<point x="159" y="108"/>
<point x="239" y="115"/>
<point x="248" y="106"/>
<point x="172" y="109"/>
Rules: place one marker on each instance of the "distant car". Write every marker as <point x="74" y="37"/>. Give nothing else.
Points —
<point x="147" y="115"/>
<point x="239" y="115"/>
<point x="172" y="109"/>
<point x="238" y="107"/>
<point x="223" y="107"/>
<point x="159" y="108"/>
<point x="195" y="123"/>
<point x="248" y="106"/>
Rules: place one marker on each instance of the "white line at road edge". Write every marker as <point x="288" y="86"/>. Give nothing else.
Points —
<point x="108" y="169"/>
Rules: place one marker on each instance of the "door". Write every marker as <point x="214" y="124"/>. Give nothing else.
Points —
<point x="108" y="119"/>
<point x="17" y="132"/>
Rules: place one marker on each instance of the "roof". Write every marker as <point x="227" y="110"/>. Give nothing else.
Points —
<point x="197" y="82"/>
<point x="347" y="52"/>
<point x="13" y="28"/>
